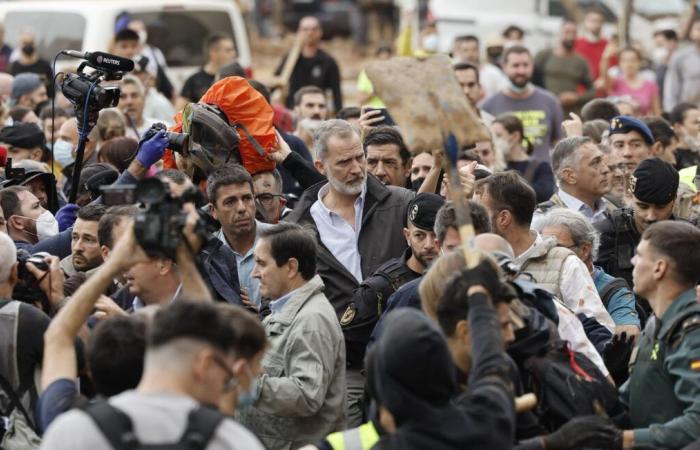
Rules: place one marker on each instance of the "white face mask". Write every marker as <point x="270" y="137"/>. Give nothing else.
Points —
<point x="46" y="226"/>
<point x="63" y="152"/>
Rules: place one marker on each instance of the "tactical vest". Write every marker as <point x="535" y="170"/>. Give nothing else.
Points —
<point x="652" y="397"/>
<point x="545" y="266"/>
<point x="362" y="438"/>
<point x="368" y="303"/>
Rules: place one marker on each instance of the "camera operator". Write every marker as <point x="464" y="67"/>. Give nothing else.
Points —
<point x="109" y="376"/>
<point x="22" y="328"/>
<point x="157" y="280"/>
<point x="149" y="152"/>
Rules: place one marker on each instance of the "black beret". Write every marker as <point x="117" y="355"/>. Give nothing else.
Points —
<point x="654" y="181"/>
<point x="625" y="124"/>
<point x="23" y="135"/>
<point x="423" y="209"/>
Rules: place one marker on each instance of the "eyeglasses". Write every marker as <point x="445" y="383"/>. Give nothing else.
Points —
<point x="570" y="247"/>
<point x="266" y="199"/>
<point x="232" y="381"/>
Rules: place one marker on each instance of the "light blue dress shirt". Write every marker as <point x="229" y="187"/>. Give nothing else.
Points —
<point x="575" y="204"/>
<point x="277" y="305"/>
<point x="337" y="235"/>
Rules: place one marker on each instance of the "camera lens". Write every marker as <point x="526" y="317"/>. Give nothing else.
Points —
<point x="178" y="142"/>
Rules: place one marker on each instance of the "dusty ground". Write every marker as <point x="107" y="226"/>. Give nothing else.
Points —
<point x="267" y="54"/>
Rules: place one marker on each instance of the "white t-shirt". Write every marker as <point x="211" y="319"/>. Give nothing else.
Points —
<point x="156" y="418"/>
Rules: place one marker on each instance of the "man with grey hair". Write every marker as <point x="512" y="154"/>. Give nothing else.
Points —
<point x="582" y="176"/>
<point x="359" y="225"/>
<point x="573" y="231"/>
<point x="132" y="103"/>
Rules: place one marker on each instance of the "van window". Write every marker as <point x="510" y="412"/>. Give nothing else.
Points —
<point x="55" y="31"/>
<point x="181" y="35"/>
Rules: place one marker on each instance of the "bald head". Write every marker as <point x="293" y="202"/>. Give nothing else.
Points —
<point x="8" y="257"/>
<point x="490" y="242"/>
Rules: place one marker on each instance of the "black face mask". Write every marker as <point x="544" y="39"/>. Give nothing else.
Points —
<point x="417" y="183"/>
<point x="28" y="49"/>
<point x="40" y="106"/>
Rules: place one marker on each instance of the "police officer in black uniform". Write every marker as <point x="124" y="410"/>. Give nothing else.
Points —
<point x="653" y="185"/>
<point x="370" y="299"/>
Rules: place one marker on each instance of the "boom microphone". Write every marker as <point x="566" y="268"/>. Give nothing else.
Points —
<point x="103" y="60"/>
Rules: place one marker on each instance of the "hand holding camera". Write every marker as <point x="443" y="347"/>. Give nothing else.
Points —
<point x="126" y="253"/>
<point x="47" y="271"/>
<point x="151" y="149"/>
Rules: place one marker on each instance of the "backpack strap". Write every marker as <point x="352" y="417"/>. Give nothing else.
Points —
<point x="114" y="424"/>
<point x="202" y="423"/>
<point x="15" y="400"/>
<point x="610" y="289"/>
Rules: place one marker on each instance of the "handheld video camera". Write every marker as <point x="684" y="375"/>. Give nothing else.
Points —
<point x="83" y="88"/>
<point x="158" y="228"/>
<point x="27" y="288"/>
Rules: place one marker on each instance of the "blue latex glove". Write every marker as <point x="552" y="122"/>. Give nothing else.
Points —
<point x="66" y="216"/>
<point x="152" y="150"/>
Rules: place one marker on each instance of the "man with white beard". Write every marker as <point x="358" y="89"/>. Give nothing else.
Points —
<point x="359" y="225"/>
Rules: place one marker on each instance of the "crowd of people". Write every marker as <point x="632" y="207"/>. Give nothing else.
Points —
<point x="303" y="280"/>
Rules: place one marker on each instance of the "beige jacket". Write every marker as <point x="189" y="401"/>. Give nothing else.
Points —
<point x="301" y="397"/>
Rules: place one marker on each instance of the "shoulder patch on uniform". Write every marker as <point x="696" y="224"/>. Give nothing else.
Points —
<point x="413" y="213"/>
<point x="348" y="315"/>
<point x="691" y="323"/>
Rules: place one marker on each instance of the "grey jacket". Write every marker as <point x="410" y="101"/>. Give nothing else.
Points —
<point x="301" y="396"/>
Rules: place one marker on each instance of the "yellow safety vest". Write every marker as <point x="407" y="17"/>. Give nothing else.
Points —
<point x="361" y="438"/>
<point x="687" y="176"/>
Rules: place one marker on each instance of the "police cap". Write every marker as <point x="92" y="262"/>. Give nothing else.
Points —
<point x="423" y="209"/>
<point x="654" y="181"/>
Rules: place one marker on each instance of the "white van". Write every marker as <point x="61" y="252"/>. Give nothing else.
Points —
<point x="178" y="27"/>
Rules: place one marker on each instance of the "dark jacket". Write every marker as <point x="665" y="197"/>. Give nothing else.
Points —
<point x="219" y="270"/>
<point x="381" y="238"/>
<point x="409" y="374"/>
